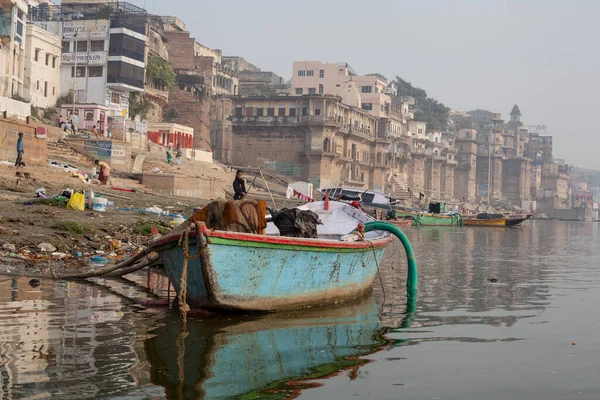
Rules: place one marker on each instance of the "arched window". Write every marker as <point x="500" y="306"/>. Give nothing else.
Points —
<point x="378" y="158"/>
<point x="326" y="145"/>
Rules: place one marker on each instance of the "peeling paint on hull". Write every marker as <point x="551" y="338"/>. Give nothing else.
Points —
<point x="258" y="273"/>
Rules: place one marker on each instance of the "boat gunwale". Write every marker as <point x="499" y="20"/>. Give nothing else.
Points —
<point x="377" y="243"/>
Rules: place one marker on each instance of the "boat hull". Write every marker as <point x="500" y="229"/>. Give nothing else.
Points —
<point x="499" y="222"/>
<point x="261" y="273"/>
<point x="430" y="219"/>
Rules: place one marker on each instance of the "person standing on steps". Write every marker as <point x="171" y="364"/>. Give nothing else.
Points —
<point x="19" y="161"/>
<point x="239" y="186"/>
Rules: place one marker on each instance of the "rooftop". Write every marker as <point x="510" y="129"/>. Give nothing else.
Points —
<point x="121" y="14"/>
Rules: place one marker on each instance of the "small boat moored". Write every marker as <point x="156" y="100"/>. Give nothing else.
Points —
<point x="253" y="272"/>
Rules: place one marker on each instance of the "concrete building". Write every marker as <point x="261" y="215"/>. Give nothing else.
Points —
<point x="166" y="133"/>
<point x="316" y="138"/>
<point x="261" y="83"/>
<point x="197" y="64"/>
<point x="42" y="67"/>
<point x="465" y="175"/>
<point x="13" y="37"/>
<point x="103" y="51"/>
<point x="156" y="50"/>
<point x="239" y="64"/>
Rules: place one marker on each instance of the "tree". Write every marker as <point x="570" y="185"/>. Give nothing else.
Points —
<point x="161" y="74"/>
<point x="426" y="108"/>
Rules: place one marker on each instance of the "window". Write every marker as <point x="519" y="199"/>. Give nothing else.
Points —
<point x="338" y="85"/>
<point x="127" y="46"/>
<point x="260" y="112"/>
<point x="310" y="72"/>
<point x="321" y="73"/>
<point x="97" y="45"/>
<point x="281" y="112"/>
<point x="53" y="90"/>
<point x="320" y="89"/>
<point x="381" y="107"/>
<point x="38" y="85"/>
<point x="37" y="55"/>
<point x="115" y="98"/>
<point x="292" y="112"/>
<point x="80" y="72"/>
<point x="128" y="74"/>
<point x="366" y="89"/>
<point x="66" y="47"/>
<point x="95" y="72"/>
<point x="312" y="90"/>
<point x="304" y="111"/>
<point x="299" y="90"/>
<point x="88" y="115"/>
<point x="54" y="62"/>
<point x="48" y="59"/>
<point x="367" y="106"/>
<point x="420" y="131"/>
<point x="301" y="72"/>
<point x="46" y="89"/>
<point x="270" y="112"/>
<point x="376" y="89"/>
<point x="82" y="47"/>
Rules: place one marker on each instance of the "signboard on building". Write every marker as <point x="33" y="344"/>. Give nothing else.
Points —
<point x="118" y="154"/>
<point x="141" y="126"/>
<point x="92" y="58"/>
<point x="85" y="29"/>
<point x="116" y="127"/>
<point x="483" y="190"/>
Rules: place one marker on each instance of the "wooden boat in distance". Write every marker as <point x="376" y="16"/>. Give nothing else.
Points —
<point x="240" y="271"/>
<point x="515" y="220"/>
<point x="496" y="222"/>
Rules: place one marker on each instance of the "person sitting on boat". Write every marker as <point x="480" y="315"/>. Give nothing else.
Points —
<point x="239" y="186"/>
<point x="104" y="171"/>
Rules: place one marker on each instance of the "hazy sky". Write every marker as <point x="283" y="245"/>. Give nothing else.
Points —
<point x="491" y="54"/>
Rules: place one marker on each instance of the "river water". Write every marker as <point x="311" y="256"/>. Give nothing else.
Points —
<point x="501" y="313"/>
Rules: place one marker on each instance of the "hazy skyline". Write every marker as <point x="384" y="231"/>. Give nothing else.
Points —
<point x="466" y="54"/>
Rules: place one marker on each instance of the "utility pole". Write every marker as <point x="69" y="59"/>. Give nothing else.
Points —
<point x="74" y="76"/>
<point x="491" y="137"/>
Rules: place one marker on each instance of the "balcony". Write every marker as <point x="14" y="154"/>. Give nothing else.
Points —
<point x="6" y="4"/>
<point x="115" y="80"/>
<point x="158" y="92"/>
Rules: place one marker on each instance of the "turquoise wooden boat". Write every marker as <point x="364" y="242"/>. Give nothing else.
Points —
<point x="265" y="356"/>
<point x="239" y="271"/>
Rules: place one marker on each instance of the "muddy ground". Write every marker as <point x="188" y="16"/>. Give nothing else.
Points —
<point x="80" y="240"/>
<point x="76" y="236"/>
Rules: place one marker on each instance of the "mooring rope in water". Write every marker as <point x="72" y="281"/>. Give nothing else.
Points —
<point x="184" y="308"/>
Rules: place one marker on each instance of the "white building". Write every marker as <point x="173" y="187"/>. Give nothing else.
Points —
<point x="103" y="59"/>
<point x="41" y="84"/>
<point x="13" y="21"/>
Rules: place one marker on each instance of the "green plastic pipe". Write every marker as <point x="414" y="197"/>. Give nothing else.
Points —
<point x="413" y="276"/>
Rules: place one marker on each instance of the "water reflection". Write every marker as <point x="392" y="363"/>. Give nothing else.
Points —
<point x="256" y="356"/>
<point x="491" y="288"/>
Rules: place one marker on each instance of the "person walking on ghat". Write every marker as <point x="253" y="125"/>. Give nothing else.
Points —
<point x="19" y="161"/>
<point x="239" y="186"/>
<point x="104" y="171"/>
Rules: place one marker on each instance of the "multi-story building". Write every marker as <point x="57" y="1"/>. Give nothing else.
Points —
<point x="198" y="65"/>
<point x="465" y="175"/>
<point x="13" y="36"/>
<point x="42" y="67"/>
<point x="103" y="50"/>
<point x="317" y="138"/>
